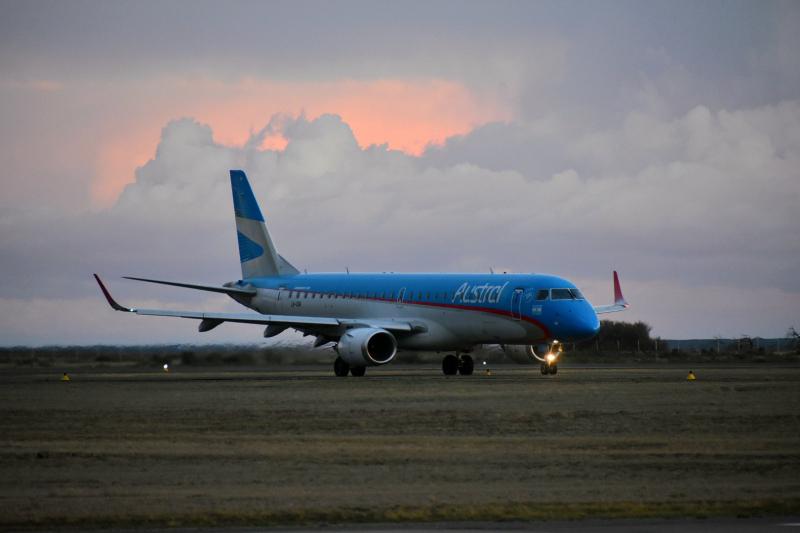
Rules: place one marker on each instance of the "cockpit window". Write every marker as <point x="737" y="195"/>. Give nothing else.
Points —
<point x="576" y="294"/>
<point x="542" y="294"/>
<point x="561" y="294"/>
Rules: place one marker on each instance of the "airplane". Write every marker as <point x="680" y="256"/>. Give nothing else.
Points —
<point x="369" y="316"/>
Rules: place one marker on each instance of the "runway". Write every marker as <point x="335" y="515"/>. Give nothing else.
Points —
<point x="713" y="525"/>
<point x="233" y="447"/>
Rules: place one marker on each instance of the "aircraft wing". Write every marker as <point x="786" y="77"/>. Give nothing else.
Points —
<point x="613" y="308"/>
<point x="211" y="320"/>
<point x="620" y="304"/>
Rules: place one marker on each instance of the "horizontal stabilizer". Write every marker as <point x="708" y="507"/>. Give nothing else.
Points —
<point x="210" y="288"/>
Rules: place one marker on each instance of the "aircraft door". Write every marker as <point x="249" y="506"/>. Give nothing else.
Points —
<point x="516" y="304"/>
<point x="281" y="299"/>
<point x="401" y="296"/>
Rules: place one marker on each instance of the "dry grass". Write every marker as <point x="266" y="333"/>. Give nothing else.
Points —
<point x="403" y="445"/>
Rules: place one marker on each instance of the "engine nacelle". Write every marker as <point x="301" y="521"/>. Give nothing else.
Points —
<point x="526" y="353"/>
<point x="367" y="347"/>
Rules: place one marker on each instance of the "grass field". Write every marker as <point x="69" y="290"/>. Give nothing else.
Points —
<point x="299" y="446"/>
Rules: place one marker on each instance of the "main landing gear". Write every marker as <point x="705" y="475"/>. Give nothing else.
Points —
<point x="452" y="365"/>
<point x="341" y="369"/>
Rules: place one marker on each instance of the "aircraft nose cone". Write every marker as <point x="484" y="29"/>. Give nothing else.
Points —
<point x="586" y="325"/>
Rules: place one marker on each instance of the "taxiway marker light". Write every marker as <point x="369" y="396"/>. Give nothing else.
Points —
<point x="166" y="367"/>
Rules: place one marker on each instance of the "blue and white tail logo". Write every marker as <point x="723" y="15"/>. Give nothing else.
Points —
<point x="256" y="251"/>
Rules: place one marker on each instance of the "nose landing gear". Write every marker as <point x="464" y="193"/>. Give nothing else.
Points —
<point x="548" y="368"/>
<point x="549" y="363"/>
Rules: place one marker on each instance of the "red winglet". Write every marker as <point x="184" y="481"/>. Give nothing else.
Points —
<point x="619" y="299"/>
<point x="107" y="294"/>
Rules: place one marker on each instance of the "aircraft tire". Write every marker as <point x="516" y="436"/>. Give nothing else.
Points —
<point x="450" y="365"/>
<point x="340" y="367"/>
<point x="544" y="369"/>
<point x="554" y="369"/>
<point x="466" y="365"/>
<point x="358" y="371"/>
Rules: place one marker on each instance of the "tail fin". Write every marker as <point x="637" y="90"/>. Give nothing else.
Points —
<point x="256" y="251"/>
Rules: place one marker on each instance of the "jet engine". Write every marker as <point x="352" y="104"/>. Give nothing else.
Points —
<point x="367" y="347"/>
<point x="527" y="353"/>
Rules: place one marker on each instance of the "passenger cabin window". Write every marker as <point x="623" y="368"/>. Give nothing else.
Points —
<point x="561" y="294"/>
<point x="542" y="294"/>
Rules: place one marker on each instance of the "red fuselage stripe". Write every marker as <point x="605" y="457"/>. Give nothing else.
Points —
<point x="489" y="310"/>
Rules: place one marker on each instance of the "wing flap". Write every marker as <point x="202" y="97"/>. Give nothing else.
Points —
<point x="243" y="318"/>
<point x="390" y="325"/>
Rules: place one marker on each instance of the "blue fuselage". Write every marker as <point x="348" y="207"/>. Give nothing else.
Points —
<point x="454" y="311"/>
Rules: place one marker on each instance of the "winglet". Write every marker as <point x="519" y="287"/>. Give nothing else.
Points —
<point x="110" y="299"/>
<point x="619" y="299"/>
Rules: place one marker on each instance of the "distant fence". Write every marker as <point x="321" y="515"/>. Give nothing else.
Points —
<point x="744" y="344"/>
<point x="741" y="345"/>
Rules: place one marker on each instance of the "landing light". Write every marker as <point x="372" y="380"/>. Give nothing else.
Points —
<point x="550" y="358"/>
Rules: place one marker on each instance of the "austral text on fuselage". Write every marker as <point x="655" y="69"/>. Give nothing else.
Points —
<point x="479" y="294"/>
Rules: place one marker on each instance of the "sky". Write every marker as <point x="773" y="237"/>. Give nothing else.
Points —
<point x="660" y="139"/>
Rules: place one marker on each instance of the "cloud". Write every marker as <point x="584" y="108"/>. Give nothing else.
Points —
<point x="696" y="208"/>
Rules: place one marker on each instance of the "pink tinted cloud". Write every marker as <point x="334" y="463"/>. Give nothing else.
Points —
<point x="406" y="115"/>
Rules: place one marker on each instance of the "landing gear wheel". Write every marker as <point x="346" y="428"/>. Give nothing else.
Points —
<point x="554" y="369"/>
<point x="450" y="365"/>
<point x="466" y="365"/>
<point x="544" y="369"/>
<point x="358" y="371"/>
<point x="340" y="367"/>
